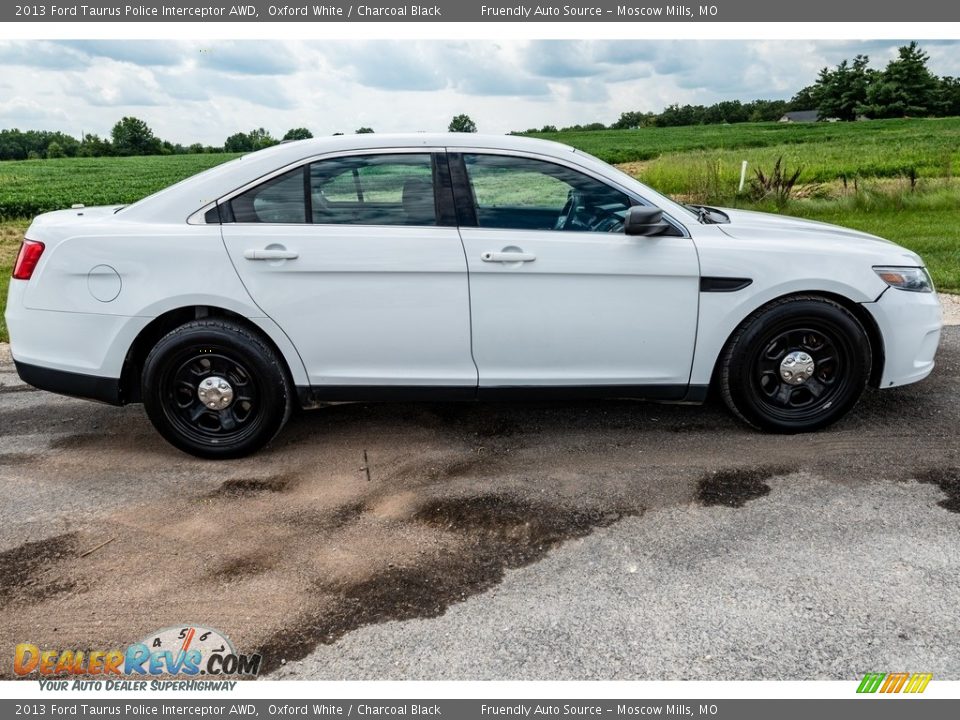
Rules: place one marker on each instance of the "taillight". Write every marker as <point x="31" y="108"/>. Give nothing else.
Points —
<point x="27" y="259"/>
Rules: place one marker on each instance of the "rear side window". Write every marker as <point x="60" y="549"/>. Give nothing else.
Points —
<point x="373" y="190"/>
<point x="278" y="200"/>
<point x="394" y="189"/>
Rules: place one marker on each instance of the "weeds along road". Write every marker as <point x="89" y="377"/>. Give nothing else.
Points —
<point x="582" y="540"/>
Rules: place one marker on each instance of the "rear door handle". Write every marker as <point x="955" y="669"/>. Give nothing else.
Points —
<point x="270" y="254"/>
<point x="508" y="257"/>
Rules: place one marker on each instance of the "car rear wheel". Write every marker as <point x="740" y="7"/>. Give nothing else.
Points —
<point x="216" y="390"/>
<point x="796" y="365"/>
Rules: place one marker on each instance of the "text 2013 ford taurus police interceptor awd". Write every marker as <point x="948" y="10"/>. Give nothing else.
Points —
<point x="456" y="267"/>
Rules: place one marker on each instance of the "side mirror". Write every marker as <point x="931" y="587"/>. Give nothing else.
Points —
<point x="644" y="220"/>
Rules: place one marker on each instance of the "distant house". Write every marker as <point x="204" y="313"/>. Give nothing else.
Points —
<point x="800" y="116"/>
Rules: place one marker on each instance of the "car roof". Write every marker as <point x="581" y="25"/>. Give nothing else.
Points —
<point x="175" y="203"/>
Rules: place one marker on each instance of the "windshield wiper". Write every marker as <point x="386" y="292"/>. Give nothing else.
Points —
<point x="703" y="215"/>
<point x="708" y="215"/>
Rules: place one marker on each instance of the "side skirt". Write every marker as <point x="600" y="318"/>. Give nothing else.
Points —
<point x="312" y="397"/>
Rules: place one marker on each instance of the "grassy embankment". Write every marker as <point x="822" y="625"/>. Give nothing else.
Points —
<point x="893" y="178"/>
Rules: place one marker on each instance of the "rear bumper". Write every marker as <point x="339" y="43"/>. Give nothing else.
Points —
<point x="910" y="324"/>
<point x="89" y="387"/>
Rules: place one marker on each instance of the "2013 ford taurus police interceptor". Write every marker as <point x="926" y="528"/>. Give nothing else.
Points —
<point x="456" y="267"/>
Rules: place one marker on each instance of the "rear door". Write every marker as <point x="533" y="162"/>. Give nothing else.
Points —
<point x="358" y="259"/>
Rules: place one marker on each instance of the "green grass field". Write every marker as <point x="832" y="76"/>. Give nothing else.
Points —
<point x="30" y="187"/>
<point x="700" y="163"/>
<point x="874" y="148"/>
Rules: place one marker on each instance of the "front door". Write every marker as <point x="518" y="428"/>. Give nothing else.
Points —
<point x="559" y="295"/>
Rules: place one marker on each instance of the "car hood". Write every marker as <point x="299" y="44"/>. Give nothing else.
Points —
<point x="750" y="225"/>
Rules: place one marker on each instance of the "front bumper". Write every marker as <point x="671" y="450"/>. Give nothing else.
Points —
<point x="910" y="325"/>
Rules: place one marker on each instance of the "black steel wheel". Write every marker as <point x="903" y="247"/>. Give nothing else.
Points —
<point x="795" y="365"/>
<point x="216" y="390"/>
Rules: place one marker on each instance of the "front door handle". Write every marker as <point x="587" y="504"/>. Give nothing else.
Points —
<point x="270" y="254"/>
<point x="508" y="257"/>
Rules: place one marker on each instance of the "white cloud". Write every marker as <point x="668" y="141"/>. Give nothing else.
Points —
<point x="192" y="91"/>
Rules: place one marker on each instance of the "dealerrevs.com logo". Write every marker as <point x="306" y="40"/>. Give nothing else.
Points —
<point x="185" y="651"/>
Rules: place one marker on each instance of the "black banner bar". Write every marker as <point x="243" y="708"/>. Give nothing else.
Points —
<point x="872" y="708"/>
<point x="641" y="11"/>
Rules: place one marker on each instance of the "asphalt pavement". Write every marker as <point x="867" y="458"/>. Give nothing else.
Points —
<point x="589" y="540"/>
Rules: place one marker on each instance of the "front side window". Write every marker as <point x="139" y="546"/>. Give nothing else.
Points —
<point x="528" y="194"/>
<point x="394" y="189"/>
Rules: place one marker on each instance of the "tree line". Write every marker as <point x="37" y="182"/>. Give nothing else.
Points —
<point x="132" y="136"/>
<point x="904" y="88"/>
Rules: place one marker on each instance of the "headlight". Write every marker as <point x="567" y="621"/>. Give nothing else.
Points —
<point x="914" y="279"/>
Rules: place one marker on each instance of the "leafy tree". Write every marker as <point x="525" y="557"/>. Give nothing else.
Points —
<point x="298" y="134"/>
<point x="260" y="139"/>
<point x="54" y="150"/>
<point x="842" y="92"/>
<point x="195" y="148"/>
<point x="905" y="87"/>
<point x="589" y="127"/>
<point x="238" y="142"/>
<point x="95" y="146"/>
<point x="632" y="120"/>
<point x="132" y="136"/>
<point x="462" y="123"/>
<point x="948" y="96"/>
<point x="805" y="99"/>
<point x="548" y="129"/>
<point x="765" y="110"/>
<point x="364" y="131"/>
<point x="249" y="142"/>
<point x="675" y="115"/>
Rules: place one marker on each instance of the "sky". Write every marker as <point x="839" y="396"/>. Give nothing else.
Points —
<point x="195" y="91"/>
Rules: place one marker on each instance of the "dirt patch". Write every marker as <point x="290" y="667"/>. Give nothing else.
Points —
<point x="76" y="442"/>
<point x="735" y="487"/>
<point x="27" y="569"/>
<point x="252" y="486"/>
<point x="241" y="567"/>
<point x="325" y="520"/>
<point x="492" y="532"/>
<point x="948" y="480"/>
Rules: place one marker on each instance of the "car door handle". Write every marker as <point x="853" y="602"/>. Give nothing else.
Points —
<point x="270" y="254"/>
<point x="508" y="257"/>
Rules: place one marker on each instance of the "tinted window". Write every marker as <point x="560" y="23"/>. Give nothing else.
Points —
<point x="279" y="200"/>
<point x="527" y="194"/>
<point x="374" y="190"/>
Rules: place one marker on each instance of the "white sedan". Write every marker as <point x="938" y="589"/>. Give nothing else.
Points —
<point x="453" y="267"/>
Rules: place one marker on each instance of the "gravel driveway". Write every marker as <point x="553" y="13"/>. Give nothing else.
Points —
<point x="579" y="540"/>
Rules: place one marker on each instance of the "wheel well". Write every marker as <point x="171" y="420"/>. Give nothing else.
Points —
<point x="856" y="309"/>
<point x="160" y="326"/>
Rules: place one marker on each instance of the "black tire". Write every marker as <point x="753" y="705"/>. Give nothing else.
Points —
<point x="750" y="366"/>
<point x="262" y="394"/>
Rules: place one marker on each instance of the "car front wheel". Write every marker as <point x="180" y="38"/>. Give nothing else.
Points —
<point x="216" y="390"/>
<point x="795" y="365"/>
